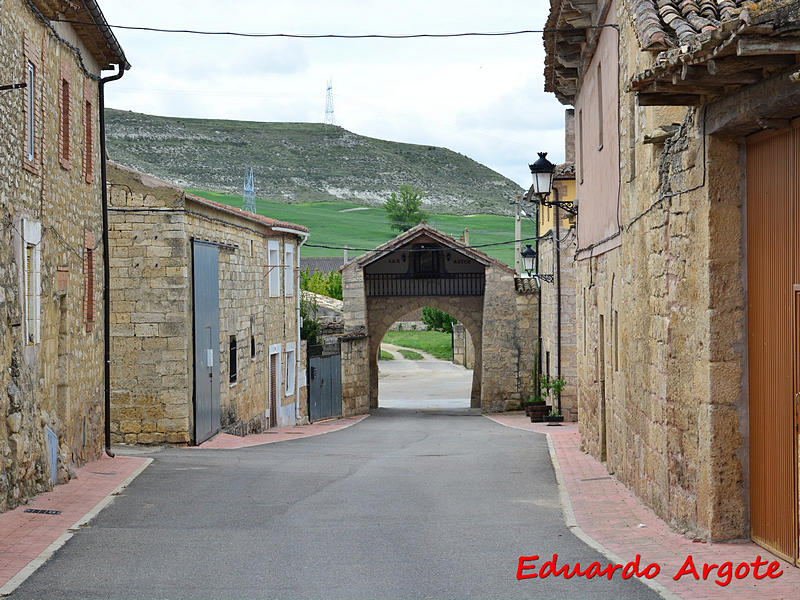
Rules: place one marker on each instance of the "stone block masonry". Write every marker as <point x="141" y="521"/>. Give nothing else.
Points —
<point x="51" y="271"/>
<point x="152" y="228"/>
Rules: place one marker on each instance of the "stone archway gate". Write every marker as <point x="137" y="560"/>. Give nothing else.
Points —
<point x="425" y="267"/>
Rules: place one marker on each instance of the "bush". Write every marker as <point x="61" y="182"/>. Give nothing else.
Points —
<point x="319" y="283"/>
<point x="309" y="330"/>
<point x="437" y="320"/>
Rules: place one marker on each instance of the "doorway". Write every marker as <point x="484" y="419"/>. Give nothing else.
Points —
<point x="205" y="296"/>
<point x="773" y="312"/>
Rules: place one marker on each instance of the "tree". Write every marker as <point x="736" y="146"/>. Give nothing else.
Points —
<point x="309" y="330"/>
<point x="437" y="320"/>
<point x="403" y="209"/>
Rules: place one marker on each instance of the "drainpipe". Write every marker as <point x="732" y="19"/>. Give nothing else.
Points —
<point x="557" y="244"/>
<point x="299" y="341"/>
<point x="106" y="260"/>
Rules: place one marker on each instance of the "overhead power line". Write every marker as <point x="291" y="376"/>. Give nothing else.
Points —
<point x="314" y="36"/>
<point x="332" y="247"/>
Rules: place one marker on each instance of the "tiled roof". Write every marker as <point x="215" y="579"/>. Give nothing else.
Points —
<point x="426" y="231"/>
<point x="714" y="53"/>
<point x="665" y="22"/>
<point x="99" y="39"/>
<point x="247" y="215"/>
<point x="323" y="264"/>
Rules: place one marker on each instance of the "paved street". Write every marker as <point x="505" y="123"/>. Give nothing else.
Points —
<point x="402" y="505"/>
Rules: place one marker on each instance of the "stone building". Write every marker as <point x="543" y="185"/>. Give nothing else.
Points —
<point x="205" y="334"/>
<point x="558" y="295"/>
<point x="51" y="270"/>
<point x="424" y="267"/>
<point x="687" y="262"/>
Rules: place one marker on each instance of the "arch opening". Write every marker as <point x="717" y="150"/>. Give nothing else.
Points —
<point x="382" y="313"/>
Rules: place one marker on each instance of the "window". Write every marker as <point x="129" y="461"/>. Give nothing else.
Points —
<point x="88" y="280"/>
<point x="232" y="359"/>
<point x="30" y="113"/>
<point x="88" y="142"/>
<point x="291" y="367"/>
<point x="547" y="364"/>
<point x="599" y="107"/>
<point x="252" y="346"/>
<point x="288" y="269"/>
<point x="65" y="117"/>
<point x="32" y="281"/>
<point x="273" y="264"/>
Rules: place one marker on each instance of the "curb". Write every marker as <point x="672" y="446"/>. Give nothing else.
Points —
<point x="299" y="437"/>
<point x="29" y="569"/>
<point x="572" y="524"/>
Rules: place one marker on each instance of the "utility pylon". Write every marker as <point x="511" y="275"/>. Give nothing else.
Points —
<point x="330" y="118"/>
<point x="249" y="193"/>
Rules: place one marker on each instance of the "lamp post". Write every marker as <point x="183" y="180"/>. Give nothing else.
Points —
<point x="542" y="172"/>
<point x="528" y="258"/>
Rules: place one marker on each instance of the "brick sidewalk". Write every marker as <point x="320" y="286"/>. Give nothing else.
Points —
<point x="608" y="513"/>
<point x="27" y="540"/>
<point x="226" y="441"/>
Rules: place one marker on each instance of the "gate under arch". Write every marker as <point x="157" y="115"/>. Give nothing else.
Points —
<point x="424" y="267"/>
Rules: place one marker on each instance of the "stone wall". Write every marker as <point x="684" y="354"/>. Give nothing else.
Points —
<point x="463" y="348"/>
<point x="56" y="380"/>
<point x="508" y="343"/>
<point x="152" y="225"/>
<point x="663" y="399"/>
<point x="549" y="292"/>
<point x="355" y="374"/>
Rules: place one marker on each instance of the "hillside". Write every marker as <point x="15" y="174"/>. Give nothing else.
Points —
<point x="302" y="162"/>
<point x="338" y="224"/>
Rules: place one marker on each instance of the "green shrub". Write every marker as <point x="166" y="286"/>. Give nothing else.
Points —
<point x="437" y="320"/>
<point x="319" y="283"/>
<point x="309" y="330"/>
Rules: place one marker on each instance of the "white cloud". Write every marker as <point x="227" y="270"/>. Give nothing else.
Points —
<point x="482" y="97"/>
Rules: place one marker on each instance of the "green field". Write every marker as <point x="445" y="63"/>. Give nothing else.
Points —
<point x="367" y="228"/>
<point x="410" y="354"/>
<point x="436" y="343"/>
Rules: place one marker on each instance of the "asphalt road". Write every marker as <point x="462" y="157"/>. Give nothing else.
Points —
<point x="404" y="505"/>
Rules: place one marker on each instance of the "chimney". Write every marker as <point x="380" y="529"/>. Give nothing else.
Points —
<point x="569" y="135"/>
<point x="345" y="254"/>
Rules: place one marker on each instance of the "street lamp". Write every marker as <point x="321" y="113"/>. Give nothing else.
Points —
<point x="528" y="256"/>
<point x="542" y="171"/>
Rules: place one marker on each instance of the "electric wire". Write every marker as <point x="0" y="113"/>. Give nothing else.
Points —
<point x="357" y="36"/>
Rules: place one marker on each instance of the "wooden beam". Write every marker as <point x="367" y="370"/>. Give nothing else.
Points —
<point x="767" y="46"/>
<point x="738" y="113"/>
<point x="733" y="64"/>
<point x="703" y="78"/>
<point x="646" y="99"/>
<point x="779" y="124"/>
<point x="706" y="88"/>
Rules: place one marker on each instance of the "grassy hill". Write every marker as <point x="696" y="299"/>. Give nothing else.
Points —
<point x="302" y="162"/>
<point x="340" y="223"/>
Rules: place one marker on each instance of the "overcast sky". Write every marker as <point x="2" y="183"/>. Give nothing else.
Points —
<point x="482" y="97"/>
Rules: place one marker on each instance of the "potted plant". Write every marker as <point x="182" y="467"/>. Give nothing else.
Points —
<point x="554" y="417"/>
<point x="536" y="409"/>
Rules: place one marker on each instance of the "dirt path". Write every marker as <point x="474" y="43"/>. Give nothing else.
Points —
<point x="429" y="383"/>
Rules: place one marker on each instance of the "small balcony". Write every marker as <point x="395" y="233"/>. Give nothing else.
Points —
<point x="444" y="284"/>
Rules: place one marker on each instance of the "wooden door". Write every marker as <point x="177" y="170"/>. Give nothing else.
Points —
<point x="773" y="271"/>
